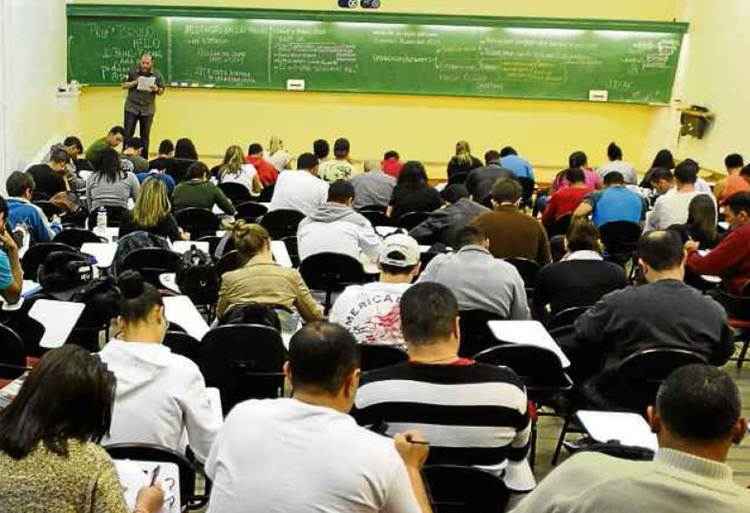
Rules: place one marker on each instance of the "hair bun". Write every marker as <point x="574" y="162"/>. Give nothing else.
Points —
<point x="131" y="284"/>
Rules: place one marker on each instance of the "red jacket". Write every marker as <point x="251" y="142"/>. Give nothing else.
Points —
<point x="564" y="202"/>
<point x="266" y="172"/>
<point x="730" y="260"/>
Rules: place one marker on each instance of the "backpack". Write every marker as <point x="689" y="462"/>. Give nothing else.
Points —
<point x="134" y="241"/>
<point x="197" y="277"/>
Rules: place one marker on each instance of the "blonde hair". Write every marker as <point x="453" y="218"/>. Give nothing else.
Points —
<point x="275" y="144"/>
<point x="249" y="238"/>
<point x="234" y="159"/>
<point x="463" y="151"/>
<point x="152" y="204"/>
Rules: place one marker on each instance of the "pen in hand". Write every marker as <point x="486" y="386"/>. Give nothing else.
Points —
<point x="411" y="440"/>
<point x="155" y="475"/>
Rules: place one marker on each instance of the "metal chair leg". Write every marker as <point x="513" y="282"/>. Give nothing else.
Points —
<point x="743" y="352"/>
<point x="561" y="440"/>
<point x="534" y="435"/>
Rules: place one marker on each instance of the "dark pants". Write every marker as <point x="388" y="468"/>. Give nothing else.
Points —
<point x="131" y="119"/>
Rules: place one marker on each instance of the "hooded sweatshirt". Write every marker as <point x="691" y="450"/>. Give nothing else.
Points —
<point x="159" y="395"/>
<point x="337" y="228"/>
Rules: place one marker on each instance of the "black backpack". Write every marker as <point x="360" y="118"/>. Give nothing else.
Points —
<point x="197" y="278"/>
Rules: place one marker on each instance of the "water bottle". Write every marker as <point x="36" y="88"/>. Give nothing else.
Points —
<point x="101" y="220"/>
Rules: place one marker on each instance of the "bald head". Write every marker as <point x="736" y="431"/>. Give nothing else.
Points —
<point x="661" y="250"/>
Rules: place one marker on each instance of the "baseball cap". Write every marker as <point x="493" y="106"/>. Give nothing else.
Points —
<point x="405" y="248"/>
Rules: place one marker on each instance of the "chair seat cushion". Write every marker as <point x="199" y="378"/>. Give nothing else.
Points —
<point x="739" y="324"/>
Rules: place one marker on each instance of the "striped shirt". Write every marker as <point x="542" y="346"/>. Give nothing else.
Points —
<point x="470" y="413"/>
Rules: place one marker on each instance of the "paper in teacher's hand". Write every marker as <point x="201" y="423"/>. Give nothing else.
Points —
<point x="146" y="83"/>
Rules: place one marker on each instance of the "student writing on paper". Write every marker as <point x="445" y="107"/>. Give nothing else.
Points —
<point x="696" y="419"/>
<point x="11" y="275"/>
<point x="159" y="394"/>
<point x="50" y="460"/>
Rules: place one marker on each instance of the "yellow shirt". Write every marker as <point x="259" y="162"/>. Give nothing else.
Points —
<point x="43" y="482"/>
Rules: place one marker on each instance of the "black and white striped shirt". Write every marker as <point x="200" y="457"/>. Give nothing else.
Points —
<point x="470" y="413"/>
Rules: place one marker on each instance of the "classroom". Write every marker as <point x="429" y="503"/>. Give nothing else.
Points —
<point x="374" y="255"/>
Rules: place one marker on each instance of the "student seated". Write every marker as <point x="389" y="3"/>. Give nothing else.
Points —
<point x="373" y="187"/>
<point x="412" y="192"/>
<point x="660" y="314"/>
<point x="565" y="201"/>
<point x="300" y="190"/>
<point x="734" y="182"/>
<point x="277" y="155"/>
<point x="235" y="170"/>
<point x="340" y="168"/>
<point x="321" y="150"/>
<point x="672" y="207"/>
<point x="513" y="233"/>
<point x="50" y="178"/>
<point x="131" y="150"/>
<point x="479" y="280"/>
<point x="11" y="275"/>
<point x="581" y="278"/>
<point x="152" y="213"/>
<point x="110" y="186"/>
<point x="697" y="418"/>
<point x="463" y="162"/>
<point x="475" y="414"/>
<point x="50" y="458"/>
<point x="200" y="192"/>
<point x="337" y="228"/>
<point x="614" y="153"/>
<point x="444" y="224"/>
<point x="730" y="259"/>
<point x="165" y="155"/>
<point x="661" y="182"/>
<point x="392" y="164"/>
<point x="480" y="181"/>
<point x="267" y="173"/>
<point x="614" y="203"/>
<point x="21" y="211"/>
<point x="111" y="141"/>
<point x="261" y="280"/>
<point x="701" y="223"/>
<point x="185" y="149"/>
<point x="663" y="160"/>
<point x="159" y="394"/>
<point x="330" y="463"/>
<point x="371" y="311"/>
<point x="520" y="167"/>
<point x="578" y="159"/>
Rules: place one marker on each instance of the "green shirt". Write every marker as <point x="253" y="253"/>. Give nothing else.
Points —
<point x="94" y="151"/>
<point x="200" y="194"/>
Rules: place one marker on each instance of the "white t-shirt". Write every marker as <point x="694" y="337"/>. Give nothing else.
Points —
<point x="371" y="312"/>
<point x="671" y="208"/>
<point x="299" y="190"/>
<point x="286" y="456"/>
<point x="279" y="160"/>
<point x="624" y="168"/>
<point x="244" y="177"/>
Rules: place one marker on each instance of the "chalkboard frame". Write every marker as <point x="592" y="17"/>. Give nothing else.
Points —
<point x="151" y="11"/>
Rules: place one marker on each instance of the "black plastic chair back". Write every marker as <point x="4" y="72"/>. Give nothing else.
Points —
<point x="620" y="237"/>
<point x="457" y="178"/>
<point x="178" y="168"/>
<point x="375" y="356"/>
<point x="151" y="262"/>
<point x="236" y="192"/>
<point x="737" y="307"/>
<point x="376" y="217"/>
<point x="411" y="219"/>
<point x="458" y="489"/>
<point x="373" y="208"/>
<point x="476" y="336"/>
<point x="37" y="254"/>
<point x="282" y="223"/>
<point x="213" y="243"/>
<point x="559" y="226"/>
<point x="197" y="221"/>
<point x="12" y="354"/>
<point x="331" y="272"/>
<point x="292" y="249"/>
<point x="528" y="269"/>
<point x="154" y="452"/>
<point x="229" y="262"/>
<point x="183" y="344"/>
<point x="77" y="237"/>
<point x="250" y="211"/>
<point x="567" y="317"/>
<point x="49" y="208"/>
<point x="115" y="215"/>
<point x="253" y="313"/>
<point x="244" y="361"/>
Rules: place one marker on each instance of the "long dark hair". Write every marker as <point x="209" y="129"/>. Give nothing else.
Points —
<point x="413" y="176"/>
<point x="185" y="149"/>
<point x="110" y="167"/>
<point x="138" y="297"/>
<point x="69" y="395"/>
<point x="702" y="217"/>
<point x="664" y="159"/>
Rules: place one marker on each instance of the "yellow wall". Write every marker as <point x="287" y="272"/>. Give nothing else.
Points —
<point x="423" y="128"/>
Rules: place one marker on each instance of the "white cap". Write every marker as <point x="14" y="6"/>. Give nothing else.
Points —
<point x="405" y="246"/>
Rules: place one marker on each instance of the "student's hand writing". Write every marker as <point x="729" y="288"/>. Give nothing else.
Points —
<point x="6" y="239"/>
<point x="413" y="448"/>
<point x="691" y="246"/>
<point x="150" y="499"/>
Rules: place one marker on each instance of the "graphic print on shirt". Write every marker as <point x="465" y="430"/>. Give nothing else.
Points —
<point x="376" y="320"/>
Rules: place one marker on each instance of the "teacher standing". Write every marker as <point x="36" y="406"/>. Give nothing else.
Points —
<point x="140" y="105"/>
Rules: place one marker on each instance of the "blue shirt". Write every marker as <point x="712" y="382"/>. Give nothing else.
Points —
<point x="6" y="276"/>
<point x="520" y="167"/>
<point x="168" y="180"/>
<point x="20" y="211"/>
<point x="616" y="203"/>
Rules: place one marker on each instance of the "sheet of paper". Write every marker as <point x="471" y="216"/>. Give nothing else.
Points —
<point x="527" y="332"/>
<point x="104" y="252"/>
<point x="134" y="475"/>
<point x="629" y="428"/>
<point x="280" y="253"/>
<point x="384" y="231"/>
<point x="183" y="246"/>
<point x="169" y="280"/>
<point x="30" y="287"/>
<point x="58" y="319"/>
<point x="145" y="83"/>
<point x="180" y="310"/>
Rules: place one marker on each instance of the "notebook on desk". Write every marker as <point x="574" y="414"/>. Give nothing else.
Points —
<point x="134" y="475"/>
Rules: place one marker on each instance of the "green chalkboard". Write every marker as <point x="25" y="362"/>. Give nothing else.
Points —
<point x="436" y="55"/>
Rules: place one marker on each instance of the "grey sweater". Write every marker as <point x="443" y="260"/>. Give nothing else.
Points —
<point x="100" y="192"/>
